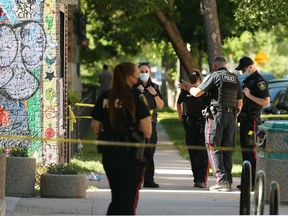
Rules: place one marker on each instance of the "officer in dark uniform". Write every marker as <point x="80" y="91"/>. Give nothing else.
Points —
<point x="255" y="89"/>
<point x="226" y="102"/>
<point x="118" y="115"/>
<point x="155" y="101"/>
<point x="190" y="114"/>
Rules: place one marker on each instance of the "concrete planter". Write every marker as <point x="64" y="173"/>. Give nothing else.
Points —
<point x="2" y="184"/>
<point x="2" y="175"/>
<point x="63" y="186"/>
<point x="20" y="176"/>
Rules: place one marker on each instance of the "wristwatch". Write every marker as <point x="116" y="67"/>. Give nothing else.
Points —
<point x="155" y="95"/>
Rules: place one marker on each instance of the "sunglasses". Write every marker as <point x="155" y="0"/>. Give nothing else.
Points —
<point x="143" y="63"/>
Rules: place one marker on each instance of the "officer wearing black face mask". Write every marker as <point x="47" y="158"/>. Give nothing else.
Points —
<point x="255" y="89"/>
<point x="226" y="101"/>
<point x="190" y="114"/>
<point x="118" y="115"/>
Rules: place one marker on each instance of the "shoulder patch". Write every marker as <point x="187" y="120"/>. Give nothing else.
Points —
<point x="262" y="85"/>
<point x="143" y="98"/>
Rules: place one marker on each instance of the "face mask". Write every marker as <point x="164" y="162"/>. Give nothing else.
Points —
<point x="247" y="73"/>
<point x="144" y="77"/>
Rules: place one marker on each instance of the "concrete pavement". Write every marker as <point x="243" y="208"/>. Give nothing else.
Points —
<point x="176" y="195"/>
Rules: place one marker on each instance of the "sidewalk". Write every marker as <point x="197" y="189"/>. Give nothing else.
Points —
<point x="176" y="194"/>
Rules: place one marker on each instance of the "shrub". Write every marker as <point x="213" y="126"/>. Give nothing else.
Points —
<point x="62" y="169"/>
<point x="15" y="151"/>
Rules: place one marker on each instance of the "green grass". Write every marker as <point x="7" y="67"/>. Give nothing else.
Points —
<point x="175" y="130"/>
<point x="88" y="159"/>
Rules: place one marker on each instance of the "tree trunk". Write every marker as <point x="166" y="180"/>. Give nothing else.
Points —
<point x="212" y="30"/>
<point x="177" y="42"/>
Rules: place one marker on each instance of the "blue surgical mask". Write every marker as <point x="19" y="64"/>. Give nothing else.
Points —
<point x="144" y="77"/>
<point x="247" y="73"/>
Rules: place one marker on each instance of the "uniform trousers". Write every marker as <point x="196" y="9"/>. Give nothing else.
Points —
<point x="247" y="143"/>
<point x="149" y="155"/>
<point x="125" y="176"/>
<point x="194" y="136"/>
<point x="220" y="132"/>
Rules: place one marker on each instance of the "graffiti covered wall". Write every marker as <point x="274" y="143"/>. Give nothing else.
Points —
<point x="29" y="99"/>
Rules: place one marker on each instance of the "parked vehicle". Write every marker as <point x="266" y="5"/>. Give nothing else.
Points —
<point x="267" y="76"/>
<point x="280" y="103"/>
<point x="275" y="85"/>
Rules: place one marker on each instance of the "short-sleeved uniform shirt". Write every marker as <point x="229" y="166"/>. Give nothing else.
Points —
<point x="212" y="82"/>
<point x="151" y="100"/>
<point x="258" y="87"/>
<point x="123" y="118"/>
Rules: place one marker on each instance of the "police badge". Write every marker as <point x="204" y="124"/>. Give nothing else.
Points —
<point x="262" y="85"/>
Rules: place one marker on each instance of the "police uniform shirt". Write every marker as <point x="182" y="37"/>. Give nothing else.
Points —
<point x="151" y="99"/>
<point x="258" y="87"/>
<point x="194" y="105"/>
<point x="123" y="118"/>
<point x="212" y="82"/>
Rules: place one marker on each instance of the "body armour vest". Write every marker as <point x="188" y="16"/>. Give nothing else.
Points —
<point x="194" y="106"/>
<point x="227" y="89"/>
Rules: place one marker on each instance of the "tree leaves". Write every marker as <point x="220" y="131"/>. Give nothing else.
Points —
<point x="266" y="14"/>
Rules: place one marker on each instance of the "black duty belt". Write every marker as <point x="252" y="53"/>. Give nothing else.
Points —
<point x="226" y="109"/>
<point x="190" y="118"/>
<point x="251" y="113"/>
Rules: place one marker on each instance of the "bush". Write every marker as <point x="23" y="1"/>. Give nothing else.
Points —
<point x="15" y="151"/>
<point x="62" y="169"/>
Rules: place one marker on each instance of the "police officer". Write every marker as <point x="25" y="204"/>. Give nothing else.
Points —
<point x="226" y="101"/>
<point x="117" y="115"/>
<point x="256" y="95"/>
<point x="155" y="101"/>
<point x="189" y="110"/>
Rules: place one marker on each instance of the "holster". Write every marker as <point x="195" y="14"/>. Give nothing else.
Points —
<point x="206" y="112"/>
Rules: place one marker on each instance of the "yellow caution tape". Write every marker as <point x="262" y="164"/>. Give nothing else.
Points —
<point x="275" y="116"/>
<point x="131" y="144"/>
<point x="84" y="104"/>
<point x="72" y="119"/>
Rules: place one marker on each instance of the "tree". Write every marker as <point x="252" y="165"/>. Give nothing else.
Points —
<point x="261" y="14"/>
<point x="125" y="26"/>
<point x="211" y="25"/>
<point x="176" y="40"/>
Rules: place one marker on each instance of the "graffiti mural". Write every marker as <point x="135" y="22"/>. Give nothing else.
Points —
<point x="28" y="77"/>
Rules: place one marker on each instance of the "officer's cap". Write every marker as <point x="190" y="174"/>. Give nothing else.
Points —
<point x="244" y="62"/>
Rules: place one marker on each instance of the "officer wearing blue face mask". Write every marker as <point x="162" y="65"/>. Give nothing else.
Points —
<point x="155" y="101"/>
<point x="256" y="95"/>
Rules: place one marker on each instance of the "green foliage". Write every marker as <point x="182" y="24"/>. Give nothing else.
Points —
<point x="272" y="43"/>
<point x="88" y="166"/>
<point x="73" y="97"/>
<point x="15" y="151"/>
<point x="62" y="169"/>
<point x="261" y="14"/>
<point x="121" y="28"/>
<point x="88" y="160"/>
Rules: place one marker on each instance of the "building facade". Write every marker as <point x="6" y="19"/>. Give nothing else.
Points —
<point x="36" y="72"/>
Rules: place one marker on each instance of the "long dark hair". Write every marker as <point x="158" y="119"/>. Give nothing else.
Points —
<point x="121" y="90"/>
